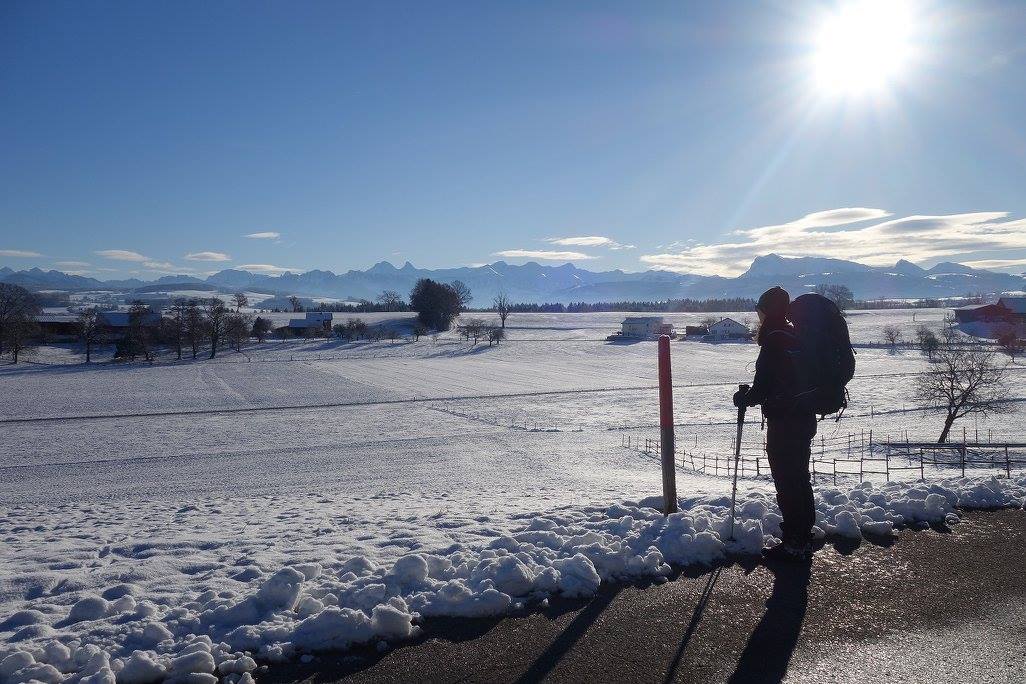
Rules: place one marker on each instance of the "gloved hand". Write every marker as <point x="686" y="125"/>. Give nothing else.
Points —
<point x="739" y="398"/>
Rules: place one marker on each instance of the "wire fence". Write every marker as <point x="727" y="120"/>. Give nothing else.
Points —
<point x="852" y="455"/>
<point x="516" y="421"/>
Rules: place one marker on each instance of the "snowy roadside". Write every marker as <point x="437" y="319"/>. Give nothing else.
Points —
<point x="105" y="627"/>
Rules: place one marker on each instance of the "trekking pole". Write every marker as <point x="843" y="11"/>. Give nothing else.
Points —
<point x="737" y="458"/>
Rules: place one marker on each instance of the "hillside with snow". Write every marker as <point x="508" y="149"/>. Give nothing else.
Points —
<point x="185" y="519"/>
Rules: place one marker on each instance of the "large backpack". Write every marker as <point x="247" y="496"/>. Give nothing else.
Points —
<point x="826" y="361"/>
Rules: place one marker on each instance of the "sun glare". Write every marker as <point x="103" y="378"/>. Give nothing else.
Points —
<point x="863" y="46"/>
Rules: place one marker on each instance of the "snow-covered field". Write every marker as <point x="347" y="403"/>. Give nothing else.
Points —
<point x="162" y="521"/>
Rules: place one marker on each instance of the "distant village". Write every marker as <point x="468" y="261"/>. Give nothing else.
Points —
<point x="185" y="325"/>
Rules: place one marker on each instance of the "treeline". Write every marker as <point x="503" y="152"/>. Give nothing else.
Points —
<point x="687" y="305"/>
<point x="953" y="302"/>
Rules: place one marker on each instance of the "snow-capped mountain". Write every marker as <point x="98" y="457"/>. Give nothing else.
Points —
<point x="533" y="282"/>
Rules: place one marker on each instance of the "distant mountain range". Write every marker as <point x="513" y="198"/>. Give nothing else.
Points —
<point x="532" y="282"/>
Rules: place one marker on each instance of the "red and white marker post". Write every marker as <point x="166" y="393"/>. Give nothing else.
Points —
<point x="666" y="427"/>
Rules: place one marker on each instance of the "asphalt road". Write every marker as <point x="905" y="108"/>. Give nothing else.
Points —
<point x="936" y="605"/>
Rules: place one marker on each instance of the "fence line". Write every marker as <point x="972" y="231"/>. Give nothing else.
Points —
<point x="860" y="457"/>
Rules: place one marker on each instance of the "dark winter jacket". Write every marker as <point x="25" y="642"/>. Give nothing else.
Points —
<point x="776" y="382"/>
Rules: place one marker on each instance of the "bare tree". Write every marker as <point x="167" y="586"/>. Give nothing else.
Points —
<point x="472" y="328"/>
<point x="390" y="300"/>
<point x="241" y="300"/>
<point x="892" y="335"/>
<point x="502" y="306"/>
<point x="462" y="292"/>
<point x="195" y="325"/>
<point x="496" y="335"/>
<point x="178" y="324"/>
<point x="216" y="319"/>
<point x="965" y="380"/>
<point x="90" y="330"/>
<point x="355" y="328"/>
<point x="138" y="336"/>
<point x="1011" y="344"/>
<point x="708" y="322"/>
<point x="261" y="327"/>
<point x="841" y="295"/>
<point x="296" y="305"/>
<point x="927" y="340"/>
<point x="237" y="328"/>
<point x="17" y="333"/>
<point x="18" y="310"/>
<point x="418" y="330"/>
<point x="950" y="330"/>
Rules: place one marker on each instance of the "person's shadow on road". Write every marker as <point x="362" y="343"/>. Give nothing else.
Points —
<point x="768" y="651"/>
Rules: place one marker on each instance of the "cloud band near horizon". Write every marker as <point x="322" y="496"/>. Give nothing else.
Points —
<point x="832" y="234"/>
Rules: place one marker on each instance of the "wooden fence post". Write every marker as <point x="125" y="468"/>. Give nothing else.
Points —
<point x="666" y="427"/>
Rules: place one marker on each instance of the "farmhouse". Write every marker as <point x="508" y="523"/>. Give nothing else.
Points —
<point x="728" y="329"/>
<point x="645" y="326"/>
<point x="314" y="322"/>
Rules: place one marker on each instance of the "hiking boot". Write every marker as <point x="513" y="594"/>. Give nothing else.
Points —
<point x="788" y="553"/>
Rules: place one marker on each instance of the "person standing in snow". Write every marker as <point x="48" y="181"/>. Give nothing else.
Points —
<point x="789" y="427"/>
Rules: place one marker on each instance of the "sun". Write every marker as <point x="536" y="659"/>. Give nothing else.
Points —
<point x="863" y="46"/>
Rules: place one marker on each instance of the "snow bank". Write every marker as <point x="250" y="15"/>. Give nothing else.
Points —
<point x="120" y="637"/>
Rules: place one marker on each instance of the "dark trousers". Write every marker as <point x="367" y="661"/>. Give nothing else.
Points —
<point x="789" y="448"/>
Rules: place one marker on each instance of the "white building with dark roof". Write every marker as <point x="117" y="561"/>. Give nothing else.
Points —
<point x="728" y="329"/>
<point x="311" y="322"/>
<point x="642" y="326"/>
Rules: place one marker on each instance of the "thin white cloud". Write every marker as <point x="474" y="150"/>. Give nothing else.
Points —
<point x="72" y="264"/>
<point x="542" y="254"/>
<point x="268" y="269"/>
<point x="121" y="255"/>
<point x="20" y="253"/>
<point x="266" y="235"/>
<point x="588" y="241"/>
<point x="995" y="264"/>
<point x="208" y="256"/>
<point x="160" y="265"/>
<point x="828" y="234"/>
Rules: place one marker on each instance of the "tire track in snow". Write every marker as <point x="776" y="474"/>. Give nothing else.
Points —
<point x="408" y="400"/>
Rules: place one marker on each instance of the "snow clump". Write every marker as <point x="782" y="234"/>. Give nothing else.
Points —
<point x="123" y="637"/>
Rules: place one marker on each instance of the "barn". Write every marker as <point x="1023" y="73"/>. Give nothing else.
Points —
<point x="314" y="323"/>
<point x="983" y="313"/>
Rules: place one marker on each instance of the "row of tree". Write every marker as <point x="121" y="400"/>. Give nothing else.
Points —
<point x="190" y="325"/>
<point x="929" y="343"/>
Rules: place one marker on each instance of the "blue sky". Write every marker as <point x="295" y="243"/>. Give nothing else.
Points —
<point x="145" y="138"/>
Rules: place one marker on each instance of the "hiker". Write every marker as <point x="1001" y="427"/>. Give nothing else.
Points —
<point x="790" y="425"/>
